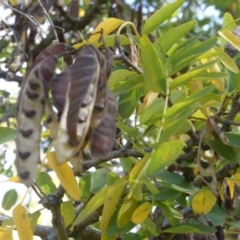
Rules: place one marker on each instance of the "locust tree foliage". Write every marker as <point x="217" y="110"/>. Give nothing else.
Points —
<point x="138" y="118"/>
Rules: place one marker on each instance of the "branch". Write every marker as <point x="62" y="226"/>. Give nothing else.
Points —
<point x="69" y="24"/>
<point x="50" y="233"/>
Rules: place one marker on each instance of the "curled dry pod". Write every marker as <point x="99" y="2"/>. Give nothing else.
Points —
<point x="83" y="77"/>
<point x="103" y="137"/>
<point x="30" y="108"/>
<point x="100" y="106"/>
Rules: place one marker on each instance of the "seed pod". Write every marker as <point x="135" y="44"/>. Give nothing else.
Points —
<point x="100" y="106"/>
<point x="103" y="137"/>
<point x="31" y="104"/>
<point x="79" y="103"/>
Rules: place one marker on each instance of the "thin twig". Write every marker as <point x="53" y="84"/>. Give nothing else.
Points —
<point x="31" y="18"/>
<point x="50" y="20"/>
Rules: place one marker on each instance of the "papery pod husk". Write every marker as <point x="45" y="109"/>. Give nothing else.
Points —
<point x="103" y="137"/>
<point x="30" y="108"/>
<point x="79" y="102"/>
<point x="100" y="106"/>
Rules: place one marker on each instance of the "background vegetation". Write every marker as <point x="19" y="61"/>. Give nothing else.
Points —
<point x="169" y="166"/>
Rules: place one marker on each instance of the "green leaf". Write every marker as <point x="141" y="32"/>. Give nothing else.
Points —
<point x="68" y="212"/>
<point x="228" y="24"/>
<point x="234" y="139"/>
<point x="233" y="82"/>
<point x="9" y="199"/>
<point x="85" y="186"/>
<point x="217" y="216"/>
<point x="34" y="218"/>
<point x="165" y="154"/>
<point x="113" y="229"/>
<point x="175" y="128"/>
<point x="183" y="57"/>
<point x="98" y="180"/>
<point x="125" y="212"/>
<point x="151" y="226"/>
<point x="160" y="16"/>
<point x="127" y="103"/>
<point x="181" y="110"/>
<point x="152" y="67"/>
<point x="173" y="215"/>
<point x="177" y="182"/>
<point x="153" y="112"/>
<point x="119" y="76"/>
<point x="223" y="150"/>
<point x="6" y="134"/>
<point x="131" y="236"/>
<point x="184" y="78"/>
<point x="165" y="194"/>
<point x="168" y="39"/>
<point x="131" y="131"/>
<point x="190" y="228"/>
<point x="200" y="94"/>
<point x="126" y="164"/>
<point x="132" y="82"/>
<point x="45" y="183"/>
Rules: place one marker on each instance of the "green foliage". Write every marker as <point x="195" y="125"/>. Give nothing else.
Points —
<point x="9" y="199"/>
<point x="178" y="111"/>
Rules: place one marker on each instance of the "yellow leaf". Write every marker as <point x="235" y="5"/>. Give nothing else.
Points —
<point x="5" y="234"/>
<point x="14" y="179"/>
<point x="218" y="82"/>
<point x="220" y="190"/>
<point x="111" y="203"/>
<point x="229" y="63"/>
<point x="231" y="188"/>
<point x="203" y="201"/>
<point x="125" y="212"/>
<point x="231" y="38"/>
<point x="107" y="26"/>
<point x="66" y="176"/>
<point x="46" y="134"/>
<point x="195" y="86"/>
<point x="87" y="2"/>
<point x="147" y="101"/>
<point x="13" y="2"/>
<point x="135" y="178"/>
<point x="99" y="199"/>
<point x="22" y="222"/>
<point x="236" y="178"/>
<point x="68" y="213"/>
<point x="81" y="12"/>
<point x="109" y="40"/>
<point x="141" y="213"/>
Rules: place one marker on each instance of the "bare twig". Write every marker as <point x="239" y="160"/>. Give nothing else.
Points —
<point x="50" y="20"/>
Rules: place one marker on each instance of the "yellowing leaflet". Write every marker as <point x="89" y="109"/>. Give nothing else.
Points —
<point x="6" y="234"/>
<point x="22" y="222"/>
<point x="107" y="26"/>
<point x="111" y="203"/>
<point x="141" y="213"/>
<point x="203" y="201"/>
<point x="125" y="212"/>
<point x="65" y="176"/>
